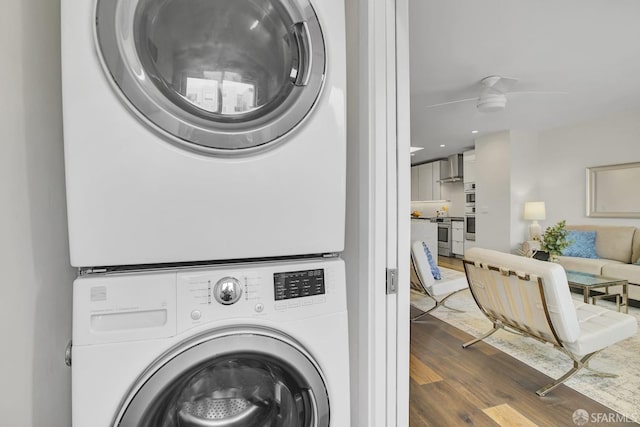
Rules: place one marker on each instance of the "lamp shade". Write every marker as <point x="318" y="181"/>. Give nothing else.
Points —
<point x="534" y="211"/>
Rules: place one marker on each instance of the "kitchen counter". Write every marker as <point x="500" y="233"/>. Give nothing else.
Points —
<point x="439" y="219"/>
<point x="447" y="219"/>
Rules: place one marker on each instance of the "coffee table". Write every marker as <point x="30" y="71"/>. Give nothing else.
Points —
<point x="588" y="282"/>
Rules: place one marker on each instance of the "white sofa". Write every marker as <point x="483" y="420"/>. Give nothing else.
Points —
<point x="618" y="248"/>
<point x="533" y="298"/>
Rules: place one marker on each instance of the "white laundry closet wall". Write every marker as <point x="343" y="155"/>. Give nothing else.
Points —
<point x="35" y="290"/>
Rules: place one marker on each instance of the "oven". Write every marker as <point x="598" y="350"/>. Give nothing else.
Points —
<point x="470" y="210"/>
<point x="470" y="227"/>
<point x="470" y="198"/>
<point x="444" y="238"/>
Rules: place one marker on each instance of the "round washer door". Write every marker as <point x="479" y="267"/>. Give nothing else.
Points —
<point x="217" y="75"/>
<point x="247" y="378"/>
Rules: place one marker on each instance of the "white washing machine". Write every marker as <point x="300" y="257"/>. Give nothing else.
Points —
<point x="188" y="123"/>
<point x="261" y="344"/>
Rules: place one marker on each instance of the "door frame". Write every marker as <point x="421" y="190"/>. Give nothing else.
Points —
<point x="378" y="206"/>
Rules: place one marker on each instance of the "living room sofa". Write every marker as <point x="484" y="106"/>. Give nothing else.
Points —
<point x="618" y="251"/>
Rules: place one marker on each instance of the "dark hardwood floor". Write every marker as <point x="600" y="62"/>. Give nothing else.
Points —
<point x="480" y="385"/>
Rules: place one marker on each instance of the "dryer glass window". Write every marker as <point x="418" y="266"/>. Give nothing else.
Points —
<point x="215" y="75"/>
<point x="222" y="58"/>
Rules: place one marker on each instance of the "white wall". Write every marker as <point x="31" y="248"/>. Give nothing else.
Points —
<point x="507" y="175"/>
<point x="566" y="153"/>
<point x="526" y="169"/>
<point x="35" y="295"/>
<point x="493" y="187"/>
<point x="356" y="208"/>
<point x="514" y="167"/>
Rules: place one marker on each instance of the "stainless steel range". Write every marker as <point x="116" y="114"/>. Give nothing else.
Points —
<point x="444" y="235"/>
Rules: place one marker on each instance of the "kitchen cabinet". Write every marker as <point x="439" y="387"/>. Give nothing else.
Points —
<point x="435" y="179"/>
<point x="469" y="166"/>
<point x="415" y="181"/>
<point x="425" y="177"/>
<point x="457" y="237"/>
<point x="425" y="181"/>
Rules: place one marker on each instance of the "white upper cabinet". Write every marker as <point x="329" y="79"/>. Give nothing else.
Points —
<point x="425" y="181"/>
<point x="415" y="183"/>
<point x="435" y="181"/>
<point x="469" y="168"/>
<point x="425" y="178"/>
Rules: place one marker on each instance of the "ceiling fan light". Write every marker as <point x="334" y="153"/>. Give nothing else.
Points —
<point x="489" y="103"/>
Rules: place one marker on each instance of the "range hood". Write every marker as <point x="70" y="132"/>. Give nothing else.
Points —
<point x="451" y="170"/>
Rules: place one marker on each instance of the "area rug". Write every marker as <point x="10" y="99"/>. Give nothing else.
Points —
<point x="622" y="394"/>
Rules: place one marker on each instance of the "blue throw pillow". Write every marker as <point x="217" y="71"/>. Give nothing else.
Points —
<point x="581" y="244"/>
<point x="435" y="271"/>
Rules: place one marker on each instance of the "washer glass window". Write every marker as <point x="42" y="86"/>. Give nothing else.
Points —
<point x="219" y="74"/>
<point x="236" y="380"/>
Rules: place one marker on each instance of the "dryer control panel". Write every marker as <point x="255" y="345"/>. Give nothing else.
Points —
<point x="273" y="291"/>
<point x="298" y="284"/>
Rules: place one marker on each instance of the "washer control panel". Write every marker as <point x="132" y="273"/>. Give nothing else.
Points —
<point x="271" y="290"/>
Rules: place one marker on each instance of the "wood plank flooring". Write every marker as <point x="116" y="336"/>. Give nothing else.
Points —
<point x="480" y="385"/>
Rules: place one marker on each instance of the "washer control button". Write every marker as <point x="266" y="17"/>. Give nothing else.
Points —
<point x="227" y="290"/>
<point x="259" y="307"/>
<point x="196" y="315"/>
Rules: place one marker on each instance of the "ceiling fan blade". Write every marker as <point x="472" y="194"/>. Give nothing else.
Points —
<point x="458" y="101"/>
<point x="538" y="92"/>
<point x="500" y="83"/>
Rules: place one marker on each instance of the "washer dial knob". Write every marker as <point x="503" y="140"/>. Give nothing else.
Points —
<point x="227" y="290"/>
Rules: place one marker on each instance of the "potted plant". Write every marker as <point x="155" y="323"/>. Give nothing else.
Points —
<point x="554" y="240"/>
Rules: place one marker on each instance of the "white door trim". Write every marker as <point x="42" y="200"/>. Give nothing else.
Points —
<point x="378" y="185"/>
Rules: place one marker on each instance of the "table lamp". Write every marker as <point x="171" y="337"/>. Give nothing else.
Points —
<point x="534" y="211"/>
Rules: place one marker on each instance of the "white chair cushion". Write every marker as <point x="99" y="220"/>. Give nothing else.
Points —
<point x="595" y="328"/>
<point x="451" y="280"/>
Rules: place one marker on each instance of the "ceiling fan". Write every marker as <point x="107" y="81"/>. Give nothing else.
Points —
<point x="493" y="94"/>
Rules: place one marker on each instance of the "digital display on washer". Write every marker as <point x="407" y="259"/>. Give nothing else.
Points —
<point x="296" y="284"/>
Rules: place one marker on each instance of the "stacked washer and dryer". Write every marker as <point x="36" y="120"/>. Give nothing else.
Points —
<point x="205" y="169"/>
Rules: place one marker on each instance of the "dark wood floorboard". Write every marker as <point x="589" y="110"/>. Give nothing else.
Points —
<point x="452" y="386"/>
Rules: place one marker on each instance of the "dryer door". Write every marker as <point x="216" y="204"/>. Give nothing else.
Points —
<point x="216" y="75"/>
<point x="248" y="378"/>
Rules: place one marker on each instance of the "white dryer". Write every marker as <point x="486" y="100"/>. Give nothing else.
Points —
<point x="261" y="344"/>
<point x="195" y="126"/>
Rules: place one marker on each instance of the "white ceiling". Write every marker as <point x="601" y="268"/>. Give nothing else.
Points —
<point x="587" y="48"/>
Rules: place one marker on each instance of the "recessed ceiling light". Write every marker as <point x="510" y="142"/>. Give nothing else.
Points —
<point x="474" y="131"/>
<point x="414" y="149"/>
<point x="442" y="145"/>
